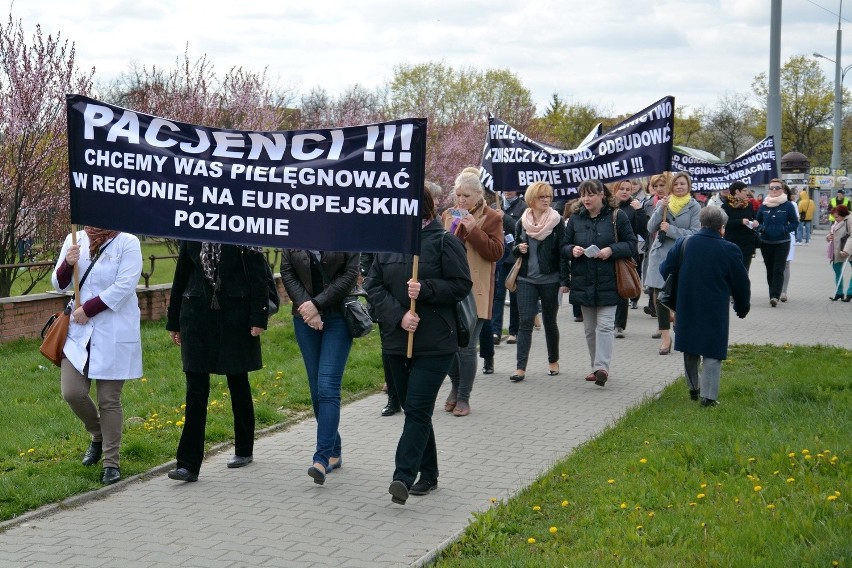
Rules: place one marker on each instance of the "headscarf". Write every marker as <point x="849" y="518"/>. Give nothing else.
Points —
<point x="211" y="254"/>
<point x="97" y="237"/>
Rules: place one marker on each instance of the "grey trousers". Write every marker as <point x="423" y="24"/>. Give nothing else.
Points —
<point x="599" y="325"/>
<point x="463" y="368"/>
<point x="103" y="422"/>
<point x="707" y="380"/>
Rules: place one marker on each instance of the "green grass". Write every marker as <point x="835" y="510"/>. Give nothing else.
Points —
<point x="43" y="442"/>
<point x="764" y="479"/>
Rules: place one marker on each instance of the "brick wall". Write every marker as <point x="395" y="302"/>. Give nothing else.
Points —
<point x="24" y="316"/>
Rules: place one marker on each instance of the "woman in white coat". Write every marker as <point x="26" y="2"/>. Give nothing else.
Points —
<point x="104" y="341"/>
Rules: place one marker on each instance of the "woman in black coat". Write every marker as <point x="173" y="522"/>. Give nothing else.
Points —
<point x="597" y="223"/>
<point x="740" y="226"/>
<point x="217" y="311"/>
<point x="443" y="281"/>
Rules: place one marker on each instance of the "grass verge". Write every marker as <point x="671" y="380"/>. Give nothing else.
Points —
<point x="764" y="479"/>
<point x="42" y="442"/>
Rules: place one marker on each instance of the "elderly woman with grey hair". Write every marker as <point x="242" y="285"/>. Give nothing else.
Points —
<point x="711" y="272"/>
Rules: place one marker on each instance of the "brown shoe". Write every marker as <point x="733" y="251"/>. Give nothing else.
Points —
<point x="452" y="400"/>
<point x="462" y="409"/>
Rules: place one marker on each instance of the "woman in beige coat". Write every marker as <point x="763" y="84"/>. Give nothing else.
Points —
<point x="480" y="228"/>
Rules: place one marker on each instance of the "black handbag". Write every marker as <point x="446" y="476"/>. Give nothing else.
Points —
<point x="667" y="296"/>
<point x="356" y="313"/>
<point x="273" y="299"/>
<point x="466" y="318"/>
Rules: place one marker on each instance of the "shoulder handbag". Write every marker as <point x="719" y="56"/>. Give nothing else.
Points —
<point x="355" y="312"/>
<point x="627" y="281"/>
<point x="55" y="331"/>
<point x="667" y="295"/>
<point x="512" y="278"/>
<point x="465" y="312"/>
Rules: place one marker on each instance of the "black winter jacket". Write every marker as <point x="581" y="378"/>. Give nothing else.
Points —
<point x="219" y="341"/>
<point x="445" y="280"/>
<point x="593" y="280"/>
<point x="550" y="259"/>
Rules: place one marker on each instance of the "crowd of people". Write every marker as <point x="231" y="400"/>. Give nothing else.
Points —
<point x="219" y="305"/>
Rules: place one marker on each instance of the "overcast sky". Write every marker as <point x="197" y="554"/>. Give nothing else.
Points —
<point x="619" y="54"/>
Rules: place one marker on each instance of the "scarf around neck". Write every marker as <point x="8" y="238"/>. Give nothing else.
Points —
<point x="97" y="237"/>
<point x="770" y="201"/>
<point x="738" y="202"/>
<point x="677" y="203"/>
<point x="541" y="229"/>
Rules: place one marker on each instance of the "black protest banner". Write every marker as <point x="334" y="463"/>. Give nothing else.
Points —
<point x="352" y="189"/>
<point x="637" y="147"/>
<point x="485" y="167"/>
<point x="755" y="166"/>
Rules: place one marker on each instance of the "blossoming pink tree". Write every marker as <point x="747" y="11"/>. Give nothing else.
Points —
<point x="34" y="79"/>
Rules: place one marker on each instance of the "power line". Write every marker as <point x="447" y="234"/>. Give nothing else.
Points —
<point x="829" y="11"/>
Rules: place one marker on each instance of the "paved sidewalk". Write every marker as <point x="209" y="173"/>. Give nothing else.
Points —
<point x="271" y="513"/>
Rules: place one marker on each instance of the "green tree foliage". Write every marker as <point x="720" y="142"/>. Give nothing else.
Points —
<point x="730" y="126"/>
<point x="807" y="96"/>
<point x="565" y="125"/>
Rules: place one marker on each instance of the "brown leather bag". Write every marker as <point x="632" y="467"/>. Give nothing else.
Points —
<point x="627" y="281"/>
<point x="54" y="333"/>
<point x="512" y="278"/>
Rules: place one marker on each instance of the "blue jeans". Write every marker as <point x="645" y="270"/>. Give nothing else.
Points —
<point x="325" y="353"/>
<point x="417" y="381"/>
<point x="803" y="231"/>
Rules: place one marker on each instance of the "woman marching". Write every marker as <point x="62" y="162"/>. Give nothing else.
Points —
<point x="777" y="218"/>
<point x="317" y="282"/>
<point x="741" y="224"/>
<point x="597" y="234"/>
<point x="538" y="238"/>
<point x="104" y="342"/>
<point x="217" y="311"/>
<point x="443" y="280"/>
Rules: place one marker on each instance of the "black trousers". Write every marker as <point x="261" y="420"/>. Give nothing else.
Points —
<point x="775" y="259"/>
<point x="190" y="451"/>
<point x="417" y="383"/>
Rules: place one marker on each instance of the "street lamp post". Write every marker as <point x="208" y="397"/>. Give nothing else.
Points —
<point x="839" y="75"/>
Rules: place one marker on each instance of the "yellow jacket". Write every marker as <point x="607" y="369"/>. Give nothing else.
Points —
<point x="806" y="206"/>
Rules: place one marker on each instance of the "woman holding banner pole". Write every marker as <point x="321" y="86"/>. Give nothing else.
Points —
<point x="480" y="228"/>
<point x="104" y="342"/>
<point x="443" y="280"/>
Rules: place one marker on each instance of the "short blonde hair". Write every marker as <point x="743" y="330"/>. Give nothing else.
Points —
<point x="536" y="190"/>
<point x="666" y="177"/>
<point x="682" y="175"/>
<point x="468" y="180"/>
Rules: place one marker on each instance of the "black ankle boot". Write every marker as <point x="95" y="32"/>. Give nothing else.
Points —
<point x="488" y="366"/>
<point x="93" y="453"/>
<point x="392" y="407"/>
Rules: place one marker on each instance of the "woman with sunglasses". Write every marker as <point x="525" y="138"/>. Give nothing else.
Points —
<point x="776" y="219"/>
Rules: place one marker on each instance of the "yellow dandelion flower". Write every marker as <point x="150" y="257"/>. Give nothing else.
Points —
<point x="770" y="506"/>
<point x="638" y="527"/>
<point x="750" y="477"/>
<point x="564" y="474"/>
<point x="834" y="459"/>
<point x="553" y="530"/>
<point x="624" y="505"/>
<point x="643" y="460"/>
<point x="703" y="525"/>
<point x="638" y="507"/>
<point x="700" y="496"/>
<point x="832" y="497"/>
<point x="826" y="452"/>
<point x="805" y="452"/>
<point x="536" y="508"/>
<point x="757" y="487"/>
<point x="530" y="540"/>
<point x="183" y="407"/>
<point x="752" y="460"/>
<point x="835" y="563"/>
<point x="214" y="403"/>
<point x="610" y="481"/>
<point x="647" y="443"/>
<point x="791" y="455"/>
<point x="775" y="472"/>
<point x="820" y="456"/>
<point x="22" y="454"/>
<point x="651" y="514"/>
<point x="31" y="450"/>
<point x="564" y="503"/>
<point x="837" y="493"/>
<point x="179" y="423"/>
<point x="791" y="480"/>
<point x="693" y="504"/>
<point x="718" y="484"/>
<point x="144" y="380"/>
<point x="494" y="499"/>
<point x="737" y="500"/>
<point x="703" y="485"/>
<point x="155" y="415"/>
<point x="808" y="457"/>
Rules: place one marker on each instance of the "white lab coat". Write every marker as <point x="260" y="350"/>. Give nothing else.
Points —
<point x="113" y="336"/>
